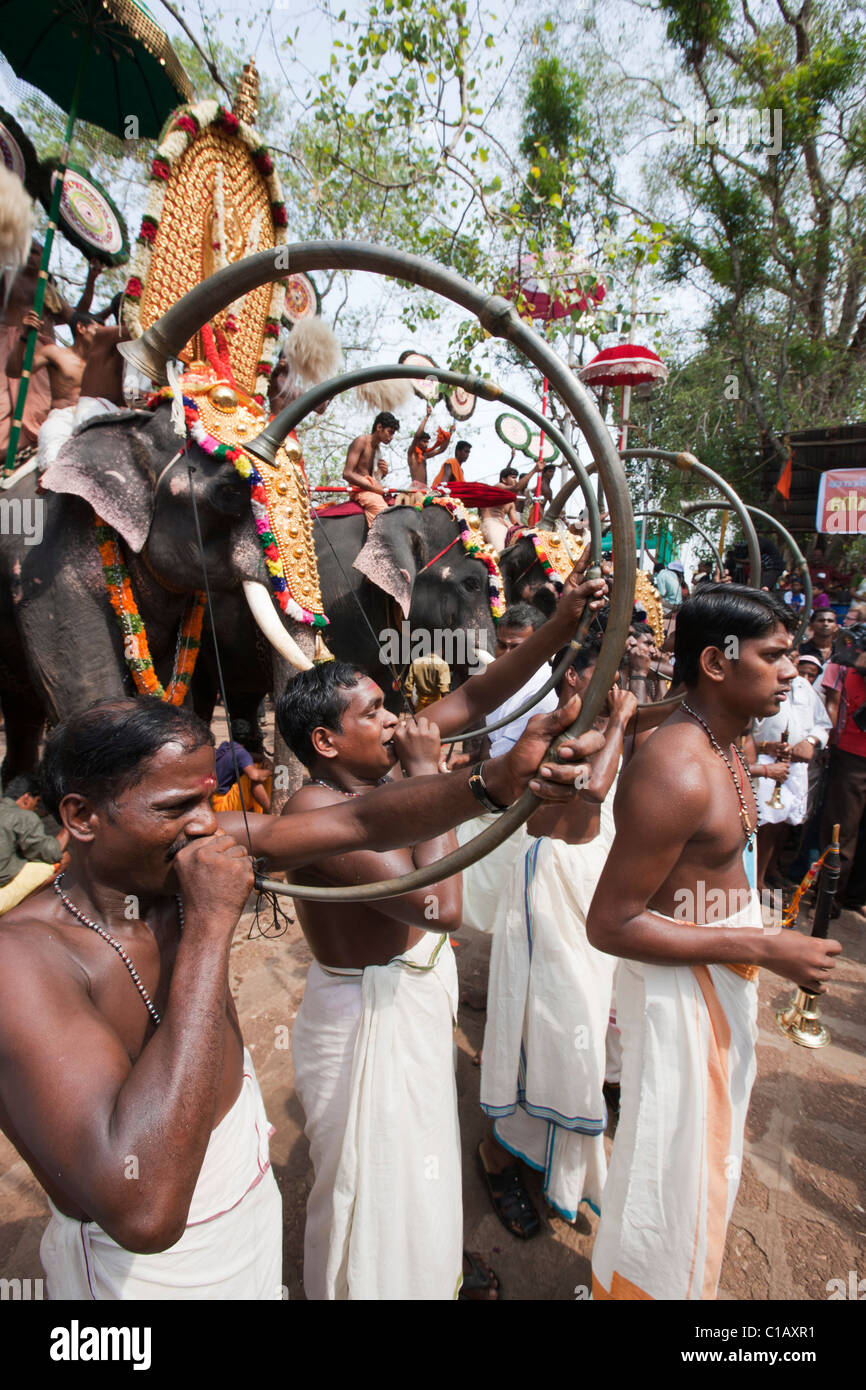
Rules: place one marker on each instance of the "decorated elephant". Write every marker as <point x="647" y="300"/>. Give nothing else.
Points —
<point x="418" y="581"/>
<point x="534" y="566"/>
<point x="409" y="579"/>
<point x="77" y="609"/>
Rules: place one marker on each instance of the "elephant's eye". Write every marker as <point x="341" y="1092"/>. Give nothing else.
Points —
<point x="472" y="584"/>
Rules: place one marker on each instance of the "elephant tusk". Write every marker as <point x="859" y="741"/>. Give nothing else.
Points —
<point x="263" y="613"/>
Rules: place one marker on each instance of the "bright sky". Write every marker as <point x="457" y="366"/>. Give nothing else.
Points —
<point x="253" y="30"/>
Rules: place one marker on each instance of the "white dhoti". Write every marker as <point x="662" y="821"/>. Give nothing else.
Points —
<point x="548" y="1006"/>
<point x="60" y="424"/>
<point x="231" y="1247"/>
<point x="374" y="1069"/>
<point x="688" y="1064"/>
<point x="484" y="881"/>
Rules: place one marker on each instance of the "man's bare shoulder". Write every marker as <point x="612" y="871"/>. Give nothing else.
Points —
<point x="670" y="767"/>
<point x="36" y="961"/>
<point x="312" y="796"/>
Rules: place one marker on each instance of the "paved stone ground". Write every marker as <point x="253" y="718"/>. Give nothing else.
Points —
<point x="799" y="1219"/>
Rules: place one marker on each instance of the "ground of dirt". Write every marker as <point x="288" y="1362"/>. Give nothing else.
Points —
<point x="800" y="1216"/>
<point x="799" y="1220"/>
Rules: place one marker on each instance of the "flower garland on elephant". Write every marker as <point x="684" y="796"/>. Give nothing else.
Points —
<point x="246" y="467"/>
<point x="474" y="547"/>
<point x="136" y="648"/>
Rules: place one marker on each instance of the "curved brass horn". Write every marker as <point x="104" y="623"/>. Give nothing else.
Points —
<point x="168" y="336"/>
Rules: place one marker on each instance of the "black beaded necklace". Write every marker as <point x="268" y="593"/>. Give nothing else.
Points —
<point x="748" y="829"/>
<point x="85" y="921"/>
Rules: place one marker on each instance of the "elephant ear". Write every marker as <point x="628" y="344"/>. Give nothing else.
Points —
<point x="106" y="463"/>
<point x="389" y="558"/>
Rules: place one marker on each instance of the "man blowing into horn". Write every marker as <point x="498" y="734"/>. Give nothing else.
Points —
<point x="124" y="1082"/>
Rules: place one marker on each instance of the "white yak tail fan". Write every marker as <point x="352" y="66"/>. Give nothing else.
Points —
<point x="313" y="351"/>
<point x="384" y="395"/>
<point x="16" y="227"/>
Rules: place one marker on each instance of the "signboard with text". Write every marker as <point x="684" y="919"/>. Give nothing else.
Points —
<point x="842" y="502"/>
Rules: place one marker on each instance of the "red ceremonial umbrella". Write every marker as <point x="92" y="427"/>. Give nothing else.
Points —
<point x="625" y="365"/>
<point x="550" y="287"/>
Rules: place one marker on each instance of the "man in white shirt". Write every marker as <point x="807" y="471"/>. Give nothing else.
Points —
<point x="785" y="744"/>
<point x="516" y="624"/>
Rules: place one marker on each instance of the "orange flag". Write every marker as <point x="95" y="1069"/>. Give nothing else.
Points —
<point x="783" y="482"/>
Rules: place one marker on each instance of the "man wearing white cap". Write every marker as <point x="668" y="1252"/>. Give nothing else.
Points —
<point x="667" y="581"/>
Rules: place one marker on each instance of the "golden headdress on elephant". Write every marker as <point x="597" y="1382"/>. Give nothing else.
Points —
<point x="215" y="198"/>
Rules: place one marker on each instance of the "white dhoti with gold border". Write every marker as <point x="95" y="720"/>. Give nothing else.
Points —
<point x="374" y="1069"/>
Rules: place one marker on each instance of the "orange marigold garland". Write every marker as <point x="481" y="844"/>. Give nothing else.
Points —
<point x="135" y="644"/>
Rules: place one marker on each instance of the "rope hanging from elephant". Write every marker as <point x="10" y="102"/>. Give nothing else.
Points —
<point x="136" y="649"/>
<point x="235" y="454"/>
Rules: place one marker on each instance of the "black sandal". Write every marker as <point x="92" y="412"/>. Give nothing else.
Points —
<point x="510" y="1199"/>
<point x="480" y="1279"/>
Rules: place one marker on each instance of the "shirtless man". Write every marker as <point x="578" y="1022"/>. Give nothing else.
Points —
<point x="452" y="469"/>
<point x="420" y="450"/>
<point x="65" y="367"/>
<point x="362" y="470"/>
<point x="373" y="1040"/>
<point x="55" y="310"/>
<point x="686" y="991"/>
<point x="132" y="1099"/>
<point x="496" y="522"/>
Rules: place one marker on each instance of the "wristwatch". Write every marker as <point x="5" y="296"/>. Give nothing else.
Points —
<point x="815" y="742"/>
<point x="479" y="790"/>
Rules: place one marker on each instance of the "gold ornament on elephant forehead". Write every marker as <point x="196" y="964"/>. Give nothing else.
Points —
<point x="563" y="550"/>
<point x="232" y="417"/>
<point x="646" y="596"/>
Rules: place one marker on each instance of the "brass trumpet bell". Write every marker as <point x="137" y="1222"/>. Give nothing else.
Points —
<point x="801" y="1021"/>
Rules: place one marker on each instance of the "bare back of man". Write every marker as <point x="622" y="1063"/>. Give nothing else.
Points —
<point x="103" y="370"/>
<point x="64" y="365"/>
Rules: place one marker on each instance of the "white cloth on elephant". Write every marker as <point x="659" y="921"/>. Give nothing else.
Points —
<point x="803" y="715"/>
<point x="231" y="1247"/>
<point x="60" y="424"/>
<point x="374" y="1069"/>
<point x="548" y="1008"/>
<point x="688" y="1035"/>
<point x="483" y="881"/>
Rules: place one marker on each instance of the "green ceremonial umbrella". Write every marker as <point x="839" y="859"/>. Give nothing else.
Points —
<point x="103" y="61"/>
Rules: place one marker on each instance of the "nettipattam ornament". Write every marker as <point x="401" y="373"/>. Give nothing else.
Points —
<point x="220" y="418"/>
<point x="214" y="198"/>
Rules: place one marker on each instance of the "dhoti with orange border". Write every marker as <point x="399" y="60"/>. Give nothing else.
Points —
<point x="688" y="1065"/>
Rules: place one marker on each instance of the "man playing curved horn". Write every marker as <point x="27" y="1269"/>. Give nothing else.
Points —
<point x="373" y="1039"/>
<point x="676" y="902"/>
<point x="124" y="1083"/>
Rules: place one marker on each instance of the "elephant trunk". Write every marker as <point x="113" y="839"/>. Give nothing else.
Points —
<point x="262" y="609"/>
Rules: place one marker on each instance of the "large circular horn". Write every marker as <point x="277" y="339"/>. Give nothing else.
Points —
<point x="167" y="337"/>
<point x="710" y="505"/>
<point x="266" y="444"/>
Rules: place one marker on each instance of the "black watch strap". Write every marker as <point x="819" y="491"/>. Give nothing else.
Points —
<point x="479" y="790"/>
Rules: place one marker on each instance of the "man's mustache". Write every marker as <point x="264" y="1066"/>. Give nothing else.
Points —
<point x="176" y="848"/>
